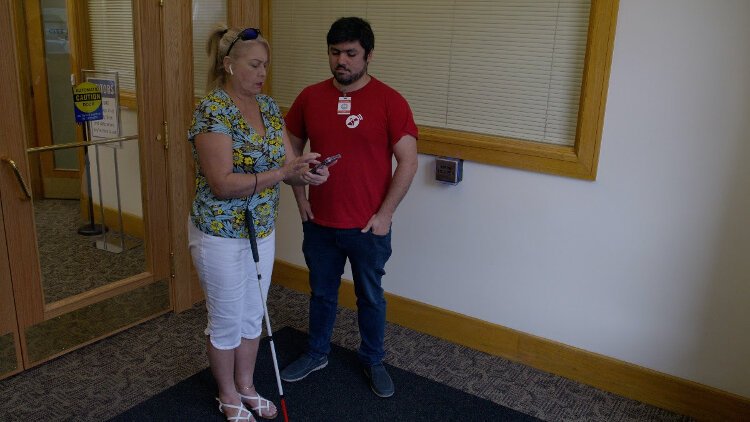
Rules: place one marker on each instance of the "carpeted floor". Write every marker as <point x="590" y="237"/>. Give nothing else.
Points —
<point x="338" y="392"/>
<point x="70" y="262"/>
<point x="104" y="379"/>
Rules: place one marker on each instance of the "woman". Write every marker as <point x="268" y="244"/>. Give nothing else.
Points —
<point x="242" y="152"/>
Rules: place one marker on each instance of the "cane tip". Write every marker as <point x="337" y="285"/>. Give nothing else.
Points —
<point x="283" y="410"/>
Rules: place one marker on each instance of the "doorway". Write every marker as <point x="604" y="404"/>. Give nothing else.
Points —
<point x="85" y="236"/>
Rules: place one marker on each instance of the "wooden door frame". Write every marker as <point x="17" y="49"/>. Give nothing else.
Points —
<point x="151" y="131"/>
<point x="10" y="97"/>
<point x="178" y="106"/>
<point x="25" y="271"/>
<point x="178" y="109"/>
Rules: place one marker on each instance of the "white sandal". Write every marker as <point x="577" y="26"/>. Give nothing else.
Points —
<point x="239" y="417"/>
<point x="264" y="405"/>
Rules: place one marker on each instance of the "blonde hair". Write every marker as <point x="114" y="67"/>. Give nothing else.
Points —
<point x="216" y="47"/>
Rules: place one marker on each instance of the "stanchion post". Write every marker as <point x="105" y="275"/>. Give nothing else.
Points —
<point x="90" y="229"/>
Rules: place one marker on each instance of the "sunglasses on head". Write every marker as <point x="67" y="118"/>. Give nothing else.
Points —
<point x="245" y="35"/>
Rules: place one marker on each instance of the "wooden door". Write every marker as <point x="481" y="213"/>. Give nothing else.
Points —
<point x="47" y="311"/>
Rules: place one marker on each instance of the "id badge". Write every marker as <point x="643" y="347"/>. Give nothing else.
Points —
<point x="344" y="106"/>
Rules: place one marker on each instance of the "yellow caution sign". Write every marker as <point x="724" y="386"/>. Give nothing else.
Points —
<point x="87" y="99"/>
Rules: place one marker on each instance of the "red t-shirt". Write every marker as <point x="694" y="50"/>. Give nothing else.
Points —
<point x="359" y="181"/>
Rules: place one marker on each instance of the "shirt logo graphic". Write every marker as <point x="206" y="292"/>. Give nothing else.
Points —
<point x="353" y="120"/>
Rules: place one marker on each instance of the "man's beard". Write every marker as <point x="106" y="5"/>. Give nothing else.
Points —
<point x="351" y="78"/>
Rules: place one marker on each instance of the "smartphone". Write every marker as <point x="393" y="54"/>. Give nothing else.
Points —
<point x="327" y="162"/>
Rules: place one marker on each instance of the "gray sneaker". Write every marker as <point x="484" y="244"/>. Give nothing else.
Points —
<point x="302" y="367"/>
<point x="380" y="382"/>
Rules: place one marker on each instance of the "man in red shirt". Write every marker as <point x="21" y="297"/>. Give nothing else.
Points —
<point x="349" y="217"/>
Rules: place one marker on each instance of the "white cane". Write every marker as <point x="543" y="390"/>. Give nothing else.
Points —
<point x="256" y="258"/>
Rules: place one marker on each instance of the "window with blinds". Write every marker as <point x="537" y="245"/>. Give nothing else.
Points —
<point x="111" y="31"/>
<point x="505" y="68"/>
<point x="207" y="15"/>
<point x="111" y="26"/>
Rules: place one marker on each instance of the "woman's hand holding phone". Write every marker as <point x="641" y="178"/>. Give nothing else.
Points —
<point x="329" y="161"/>
<point x="318" y="174"/>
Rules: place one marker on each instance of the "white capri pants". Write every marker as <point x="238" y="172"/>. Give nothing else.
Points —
<point x="227" y="273"/>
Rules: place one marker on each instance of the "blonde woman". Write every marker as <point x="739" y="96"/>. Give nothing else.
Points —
<point x="242" y="153"/>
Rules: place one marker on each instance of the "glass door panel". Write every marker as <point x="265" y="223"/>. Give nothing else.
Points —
<point x="206" y="15"/>
<point x="77" y="252"/>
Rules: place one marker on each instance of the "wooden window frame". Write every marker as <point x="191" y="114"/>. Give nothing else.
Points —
<point x="577" y="161"/>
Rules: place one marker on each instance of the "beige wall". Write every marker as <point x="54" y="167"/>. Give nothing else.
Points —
<point x="649" y="263"/>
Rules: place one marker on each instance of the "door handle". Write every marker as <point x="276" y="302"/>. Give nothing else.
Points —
<point x="19" y="177"/>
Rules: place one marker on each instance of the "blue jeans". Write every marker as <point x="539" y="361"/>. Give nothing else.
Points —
<point x="326" y="250"/>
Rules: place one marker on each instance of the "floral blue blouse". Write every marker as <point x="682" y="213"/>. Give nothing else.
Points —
<point x="251" y="153"/>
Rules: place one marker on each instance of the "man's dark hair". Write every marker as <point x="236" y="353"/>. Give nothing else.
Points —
<point x="352" y="29"/>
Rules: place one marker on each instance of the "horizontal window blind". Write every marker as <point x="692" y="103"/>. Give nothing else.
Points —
<point x="111" y="25"/>
<point x="506" y="68"/>
<point x="298" y="42"/>
<point x="207" y="15"/>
